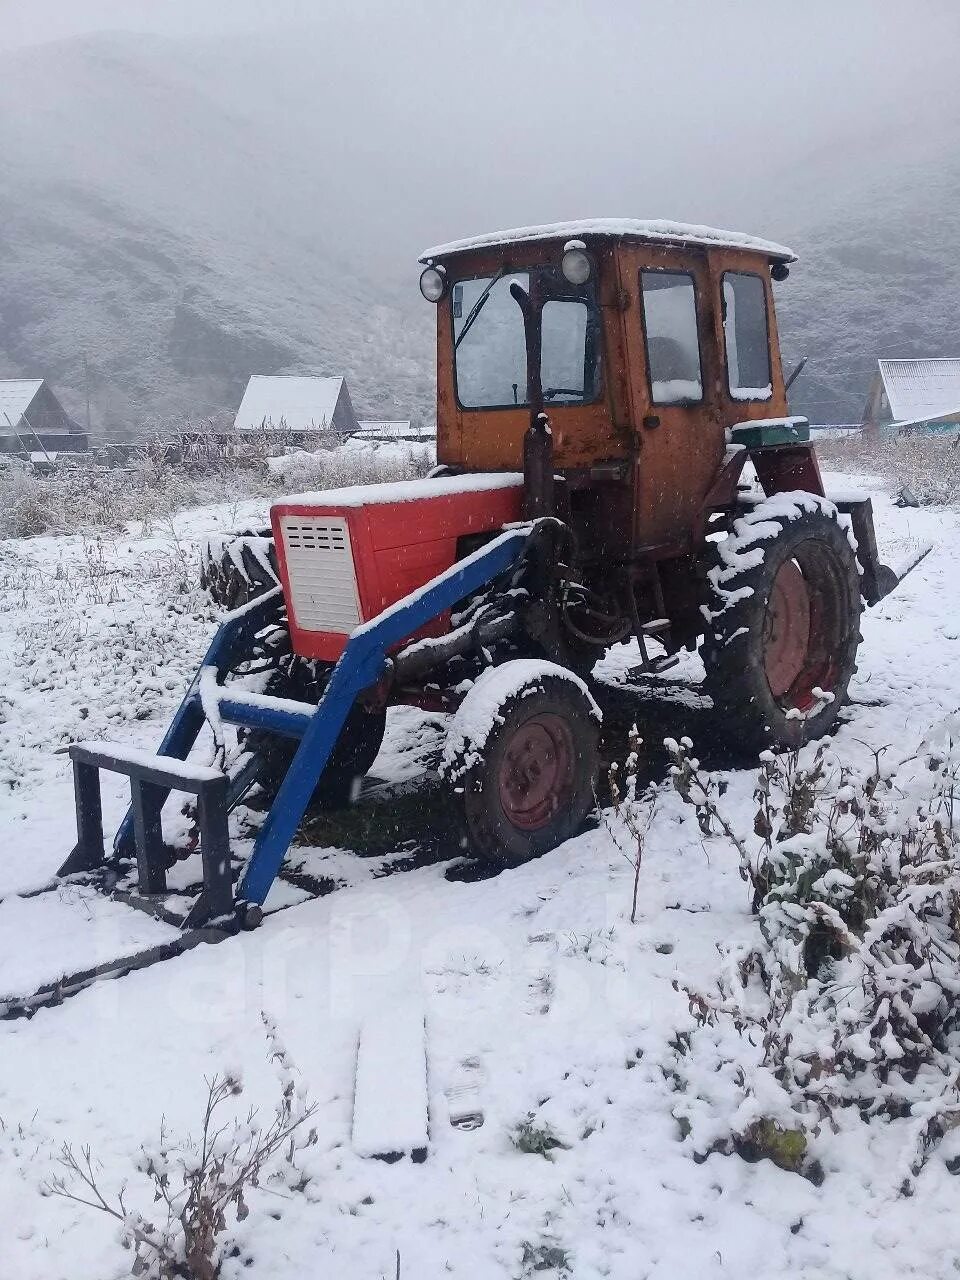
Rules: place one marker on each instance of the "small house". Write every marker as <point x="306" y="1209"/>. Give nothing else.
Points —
<point x="299" y="404"/>
<point x="33" y="421"/>
<point x="914" y="395"/>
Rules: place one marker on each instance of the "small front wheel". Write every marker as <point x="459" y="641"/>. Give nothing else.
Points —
<point x="522" y="757"/>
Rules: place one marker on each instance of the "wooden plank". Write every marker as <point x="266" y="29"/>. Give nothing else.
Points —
<point x="390" y="1109"/>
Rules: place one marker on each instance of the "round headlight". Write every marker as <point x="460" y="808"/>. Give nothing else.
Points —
<point x="575" y="266"/>
<point x="432" y="284"/>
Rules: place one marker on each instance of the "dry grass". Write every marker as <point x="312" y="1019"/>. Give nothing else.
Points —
<point x="928" y="465"/>
<point x="159" y="481"/>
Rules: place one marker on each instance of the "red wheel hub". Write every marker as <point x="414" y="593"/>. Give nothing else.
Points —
<point x="536" y="772"/>
<point x="786" y="631"/>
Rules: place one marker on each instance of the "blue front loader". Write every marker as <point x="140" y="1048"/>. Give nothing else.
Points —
<point x="363" y="662"/>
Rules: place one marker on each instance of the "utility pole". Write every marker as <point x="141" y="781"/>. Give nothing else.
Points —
<point x="86" y="392"/>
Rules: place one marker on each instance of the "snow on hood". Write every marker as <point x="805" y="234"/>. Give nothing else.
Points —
<point x="364" y="495"/>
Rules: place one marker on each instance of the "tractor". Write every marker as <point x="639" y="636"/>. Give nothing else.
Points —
<point x="616" y="461"/>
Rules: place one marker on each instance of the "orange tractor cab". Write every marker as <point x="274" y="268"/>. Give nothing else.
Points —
<point x="601" y="388"/>
<point x="607" y="382"/>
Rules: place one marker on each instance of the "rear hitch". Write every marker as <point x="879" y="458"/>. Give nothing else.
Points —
<point x="878" y="579"/>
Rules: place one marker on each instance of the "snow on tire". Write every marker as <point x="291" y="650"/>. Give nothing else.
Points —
<point x="522" y="757"/>
<point x="783" y="622"/>
<point x="237" y="567"/>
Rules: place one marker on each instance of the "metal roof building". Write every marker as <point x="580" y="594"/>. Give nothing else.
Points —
<point x="33" y="420"/>
<point x="298" y="403"/>
<point x="914" y="393"/>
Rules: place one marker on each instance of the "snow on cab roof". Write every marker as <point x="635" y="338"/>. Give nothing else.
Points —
<point x="291" y="401"/>
<point x="921" y="390"/>
<point x="630" y="228"/>
<point x="15" y="397"/>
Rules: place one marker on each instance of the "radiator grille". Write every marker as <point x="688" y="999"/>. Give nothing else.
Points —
<point x="323" y="582"/>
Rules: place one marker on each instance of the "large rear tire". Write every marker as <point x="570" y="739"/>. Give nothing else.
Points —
<point x="522" y="758"/>
<point x="783" y="623"/>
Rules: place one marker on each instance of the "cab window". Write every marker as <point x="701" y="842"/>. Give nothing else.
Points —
<point x="745" y="336"/>
<point x="673" y="344"/>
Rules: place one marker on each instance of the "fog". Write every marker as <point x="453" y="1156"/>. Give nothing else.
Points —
<point x="191" y="190"/>
<point x="424" y="121"/>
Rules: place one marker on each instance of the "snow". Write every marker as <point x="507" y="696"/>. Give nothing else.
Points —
<point x="565" y="1012"/>
<point x="631" y="228"/>
<point x="751" y="424"/>
<point x="674" y="390"/>
<point x="189" y="770"/>
<point x="364" y="495"/>
<point x="294" y="403"/>
<point x="480" y="710"/>
<point x="751" y="393"/>
<point x="70" y="930"/>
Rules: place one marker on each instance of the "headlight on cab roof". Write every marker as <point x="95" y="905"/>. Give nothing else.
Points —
<point x="433" y="283"/>
<point x="575" y="264"/>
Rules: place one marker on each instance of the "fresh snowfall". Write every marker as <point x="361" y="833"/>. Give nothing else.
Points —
<point x="615" y="1086"/>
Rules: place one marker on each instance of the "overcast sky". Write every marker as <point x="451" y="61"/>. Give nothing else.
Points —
<point x="445" y="117"/>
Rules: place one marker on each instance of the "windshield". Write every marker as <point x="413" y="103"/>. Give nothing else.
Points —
<point x="490" y="353"/>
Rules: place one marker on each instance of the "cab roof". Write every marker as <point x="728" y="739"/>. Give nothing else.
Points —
<point x="656" y="231"/>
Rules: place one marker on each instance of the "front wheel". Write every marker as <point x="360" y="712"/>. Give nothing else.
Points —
<point x="355" y="750"/>
<point x="522" y="757"/>
<point x="783" y="623"/>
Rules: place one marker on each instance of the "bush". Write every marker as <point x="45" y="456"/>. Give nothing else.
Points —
<point x="848" y="997"/>
<point x="197" y="1183"/>
<point x="160" y="480"/>
<point x="928" y="465"/>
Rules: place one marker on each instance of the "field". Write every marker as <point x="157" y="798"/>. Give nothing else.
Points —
<point x="545" y="1006"/>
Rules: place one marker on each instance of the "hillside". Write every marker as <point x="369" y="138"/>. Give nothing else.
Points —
<point x="181" y="266"/>
<point x="242" y="214"/>
<point x="878" y="276"/>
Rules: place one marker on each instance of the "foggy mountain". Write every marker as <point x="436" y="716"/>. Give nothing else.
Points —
<point x="179" y="246"/>
<point x="181" y="215"/>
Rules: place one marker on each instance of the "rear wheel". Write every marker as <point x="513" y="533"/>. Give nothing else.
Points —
<point x="522" y="758"/>
<point x="784" y="624"/>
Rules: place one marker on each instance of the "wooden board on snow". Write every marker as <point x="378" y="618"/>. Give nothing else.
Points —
<point x="390" y="1115"/>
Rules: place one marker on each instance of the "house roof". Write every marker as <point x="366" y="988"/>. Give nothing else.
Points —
<point x="657" y="230"/>
<point x="921" y="390"/>
<point x="299" y="403"/>
<point x="15" y="397"/>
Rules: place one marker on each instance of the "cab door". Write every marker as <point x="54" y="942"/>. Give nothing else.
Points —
<point x="673" y="372"/>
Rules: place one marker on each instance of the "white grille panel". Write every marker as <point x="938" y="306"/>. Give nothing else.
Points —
<point x="323" y="581"/>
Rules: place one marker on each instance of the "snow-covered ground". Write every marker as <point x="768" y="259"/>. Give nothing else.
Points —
<point x="542" y="1002"/>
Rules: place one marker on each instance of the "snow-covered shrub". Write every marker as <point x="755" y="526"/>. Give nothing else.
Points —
<point x="156" y="483"/>
<point x="536" y="1137"/>
<point x="630" y="815"/>
<point x="197" y="1185"/>
<point x="848" y="998"/>
<point x="928" y="465"/>
<point x="22" y="503"/>
<point x="336" y="468"/>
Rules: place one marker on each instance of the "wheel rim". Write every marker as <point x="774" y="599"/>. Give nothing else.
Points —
<point x="536" y="772"/>
<point x="804" y="627"/>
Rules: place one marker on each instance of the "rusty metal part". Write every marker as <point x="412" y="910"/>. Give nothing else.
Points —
<point x="786" y="629"/>
<point x="877" y="580"/>
<point x="536" y="772"/>
<point x="782" y="468"/>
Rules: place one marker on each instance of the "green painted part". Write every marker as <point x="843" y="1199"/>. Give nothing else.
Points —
<point x="775" y="433"/>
